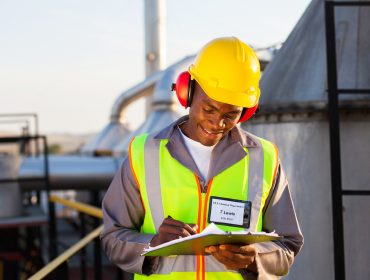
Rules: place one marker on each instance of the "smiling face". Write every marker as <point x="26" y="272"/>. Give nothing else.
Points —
<point x="209" y="120"/>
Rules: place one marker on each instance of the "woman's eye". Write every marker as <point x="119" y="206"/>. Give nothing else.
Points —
<point x="208" y="110"/>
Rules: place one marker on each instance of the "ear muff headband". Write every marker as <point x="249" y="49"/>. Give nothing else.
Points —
<point x="191" y="88"/>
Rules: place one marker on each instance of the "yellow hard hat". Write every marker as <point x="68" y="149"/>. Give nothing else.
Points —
<point x="228" y="71"/>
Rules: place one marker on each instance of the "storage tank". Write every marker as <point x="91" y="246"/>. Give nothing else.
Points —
<point x="294" y="115"/>
<point x="10" y="194"/>
<point x="102" y="143"/>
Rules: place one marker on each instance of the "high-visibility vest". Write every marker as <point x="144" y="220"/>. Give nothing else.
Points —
<point x="169" y="188"/>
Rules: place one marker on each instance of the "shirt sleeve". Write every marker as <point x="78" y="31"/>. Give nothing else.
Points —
<point x="123" y="215"/>
<point x="274" y="259"/>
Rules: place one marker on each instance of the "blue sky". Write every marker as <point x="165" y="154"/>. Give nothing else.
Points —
<point x="68" y="60"/>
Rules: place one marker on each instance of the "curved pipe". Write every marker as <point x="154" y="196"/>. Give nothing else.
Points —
<point x="148" y="86"/>
<point x="145" y="88"/>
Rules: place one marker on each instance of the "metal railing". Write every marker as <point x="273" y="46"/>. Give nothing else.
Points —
<point x="63" y="258"/>
<point x="44" y="178"/>
<point x="14" y="116"/>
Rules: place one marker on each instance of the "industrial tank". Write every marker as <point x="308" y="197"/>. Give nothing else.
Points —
<point x="294" y="115"/>
<point x="10" y="194"/>
<point x="103" y="142"/>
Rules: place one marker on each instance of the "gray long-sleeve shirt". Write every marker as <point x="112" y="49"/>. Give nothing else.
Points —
<point x="124" y="213"/>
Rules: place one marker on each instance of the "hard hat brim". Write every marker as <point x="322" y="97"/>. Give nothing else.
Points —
<point x="246" y="99"/>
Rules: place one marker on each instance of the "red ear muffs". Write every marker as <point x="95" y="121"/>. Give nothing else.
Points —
<point x="248" y="113"/>
<point x="184" y="89"/>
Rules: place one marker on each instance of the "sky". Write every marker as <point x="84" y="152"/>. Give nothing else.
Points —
<point x="69" y="60"/>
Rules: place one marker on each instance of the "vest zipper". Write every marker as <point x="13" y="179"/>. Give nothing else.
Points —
<point x="202" y="221"/>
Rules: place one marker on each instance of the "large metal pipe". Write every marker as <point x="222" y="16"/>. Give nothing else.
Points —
<point x="155" y="24"/>
<point x="69" y="172"/>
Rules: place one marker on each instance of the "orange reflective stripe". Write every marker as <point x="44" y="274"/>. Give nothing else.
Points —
<point x="198" y="267"/>
<point x="199" y="202"/>
<point x="277" y="161"/>
<point x="133" y="172"/>
<point x="205" y="209"/>
<point x="202" y="222"/>
<point x="131" y="165"/>
<point x="206" y="203"/>
<point x="203" y="268"/>
<point x="198" y="257"/>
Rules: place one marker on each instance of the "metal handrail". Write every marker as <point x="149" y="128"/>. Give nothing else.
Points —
<point x="50" y="267"/>
<point x="81" y="207"/>
<point x="36" y="124"/>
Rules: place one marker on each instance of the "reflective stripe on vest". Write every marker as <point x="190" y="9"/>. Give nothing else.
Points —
<point x="175" y="190"/>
